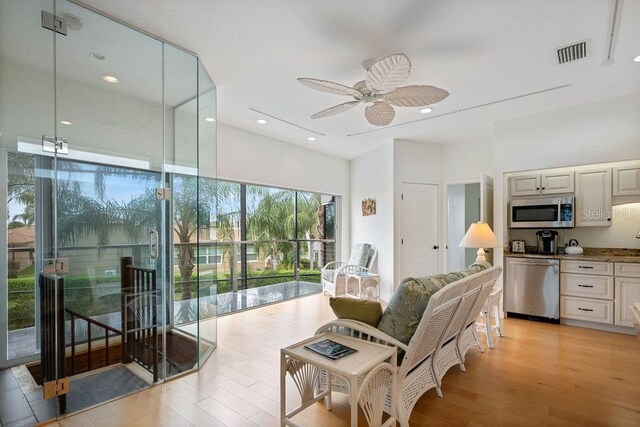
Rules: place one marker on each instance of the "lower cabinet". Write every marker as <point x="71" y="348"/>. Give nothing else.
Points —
<point x="587" y="291"/>
<point x="591" y="310"/>
<point x="596" y="291"/>
<point x="627" y="290"/>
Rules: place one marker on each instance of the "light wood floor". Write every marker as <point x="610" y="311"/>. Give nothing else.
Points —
<point x="538" y="374"/>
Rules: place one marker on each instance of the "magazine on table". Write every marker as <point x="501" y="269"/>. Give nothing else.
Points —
<point x="331" y="349"/>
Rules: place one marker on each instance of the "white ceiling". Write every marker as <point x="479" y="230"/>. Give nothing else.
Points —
<point x="479" y="50"/>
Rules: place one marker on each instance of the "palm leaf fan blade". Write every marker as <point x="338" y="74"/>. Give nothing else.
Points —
<point x="329" y="87"/>
<point x="335" y="110"/>
<point x="379" y="114"/>
<point x="389" y="73"/>
<point x="416" y="96"/>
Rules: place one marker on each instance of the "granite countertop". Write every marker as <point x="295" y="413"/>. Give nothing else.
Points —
<point x="590" y="254"/>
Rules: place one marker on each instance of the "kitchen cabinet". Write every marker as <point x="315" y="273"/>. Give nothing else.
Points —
<point x="550" y="183"/>
<point x="524" y="185"/>
<point x="587" y="291"/>
<point x="590" y="310"/>
<point x="627" y="289"/>
<point x="557" y="183"/>
<point x="626" y="181"/>
<point x="593" y="198"/>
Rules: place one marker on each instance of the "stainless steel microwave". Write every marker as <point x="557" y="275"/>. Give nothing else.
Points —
<point x="542" y="212"/>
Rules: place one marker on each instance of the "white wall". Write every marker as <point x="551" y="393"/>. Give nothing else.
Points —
<point x="249" y="157"/>
<point x="372" y="176"/>
<point x="468" y="160"/>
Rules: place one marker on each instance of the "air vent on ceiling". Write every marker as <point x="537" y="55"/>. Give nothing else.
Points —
<point x="574" y="52"/>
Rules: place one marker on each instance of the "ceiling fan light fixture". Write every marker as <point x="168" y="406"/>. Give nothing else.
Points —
<point x="380" y="91"/>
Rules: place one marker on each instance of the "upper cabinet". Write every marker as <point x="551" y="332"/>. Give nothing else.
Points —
<point x="593" y="198"/>
<point x="556" y="183"/>
<point x="626" y="181"/>
<point x="550" y="183"/>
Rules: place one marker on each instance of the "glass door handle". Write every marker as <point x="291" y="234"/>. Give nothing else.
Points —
<point x="153" y="243"/>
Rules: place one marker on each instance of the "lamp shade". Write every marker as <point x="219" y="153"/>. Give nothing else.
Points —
<point x="479" y="235"/>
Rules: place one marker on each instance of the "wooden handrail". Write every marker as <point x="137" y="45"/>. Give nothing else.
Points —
<point x="90" y="322"/>
<point x="95" y="322"/>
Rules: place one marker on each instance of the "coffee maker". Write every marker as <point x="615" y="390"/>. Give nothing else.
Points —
<point x="547" y="241"/>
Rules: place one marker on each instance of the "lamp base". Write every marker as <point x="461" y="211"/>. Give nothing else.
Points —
<point x="481" y="256"/>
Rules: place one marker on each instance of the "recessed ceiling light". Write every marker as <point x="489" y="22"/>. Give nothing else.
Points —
<point x="210" y="119"/>
<point x="110" y="79"/>
<point x="65" y="122"/>
<point x="311" y="138"/>
<point x="636" y="59"/>
<point x="426" y="110"/>
<point x="261" y="121"/>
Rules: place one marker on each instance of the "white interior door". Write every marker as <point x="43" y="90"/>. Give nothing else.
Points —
<point x="419" y="234"/>
<point x="486" y="207"/>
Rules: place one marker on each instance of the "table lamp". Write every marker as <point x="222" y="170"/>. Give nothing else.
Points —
<point x="479" y="235"/>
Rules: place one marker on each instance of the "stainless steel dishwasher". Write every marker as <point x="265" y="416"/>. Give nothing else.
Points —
<point x="532" y="288"/>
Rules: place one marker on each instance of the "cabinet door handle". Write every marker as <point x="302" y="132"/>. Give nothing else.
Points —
<point x="585" y="266"/>
<point x="537" y="188"/>
<point x="586" y="286"/>
<point x="543" y="188"/>
<point x="585" y="309"/>
<point x="436" y="247"/>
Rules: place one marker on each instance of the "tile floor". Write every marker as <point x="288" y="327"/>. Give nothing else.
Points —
<point x="19" y="408"/>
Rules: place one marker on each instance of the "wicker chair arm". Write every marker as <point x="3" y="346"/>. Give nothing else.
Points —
<point x="332" y="265"/>
<point x="358" y="329"/>
<point x="351" y="269"/>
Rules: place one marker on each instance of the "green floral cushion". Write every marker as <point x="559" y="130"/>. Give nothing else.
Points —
<point x="408" y="303"/>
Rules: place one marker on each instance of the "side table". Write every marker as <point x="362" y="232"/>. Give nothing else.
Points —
<point x="366" y="370"/>
<point x="368" y="285"/>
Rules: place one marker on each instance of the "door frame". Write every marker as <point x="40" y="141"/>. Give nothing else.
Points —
<point x="444" y="215"/>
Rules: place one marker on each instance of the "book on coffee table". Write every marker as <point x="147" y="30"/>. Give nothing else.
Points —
<point x="331" y="349"/>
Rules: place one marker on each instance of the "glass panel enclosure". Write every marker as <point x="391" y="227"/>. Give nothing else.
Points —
<point x="101" y="211"/>
<point x="26" y="113"/>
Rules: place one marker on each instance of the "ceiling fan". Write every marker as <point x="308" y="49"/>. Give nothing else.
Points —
<point x="381" y="90"/>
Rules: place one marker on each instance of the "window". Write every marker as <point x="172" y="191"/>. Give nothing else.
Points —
<point x="272" y="235"/>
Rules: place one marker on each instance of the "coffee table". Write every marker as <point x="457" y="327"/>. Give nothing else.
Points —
<point x="306" y="367"/>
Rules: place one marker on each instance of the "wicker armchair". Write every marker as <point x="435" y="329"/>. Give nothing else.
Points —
<point x="428" y="354"/>
<point x="334" y="273"/>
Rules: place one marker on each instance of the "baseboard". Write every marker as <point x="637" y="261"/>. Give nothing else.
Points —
<point x="599" y="326"/>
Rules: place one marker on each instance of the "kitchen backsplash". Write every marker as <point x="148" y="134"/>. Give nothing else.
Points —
<point x="621" y="234"/>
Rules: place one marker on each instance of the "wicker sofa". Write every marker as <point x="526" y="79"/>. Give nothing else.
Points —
<point x="444" y="333"/>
